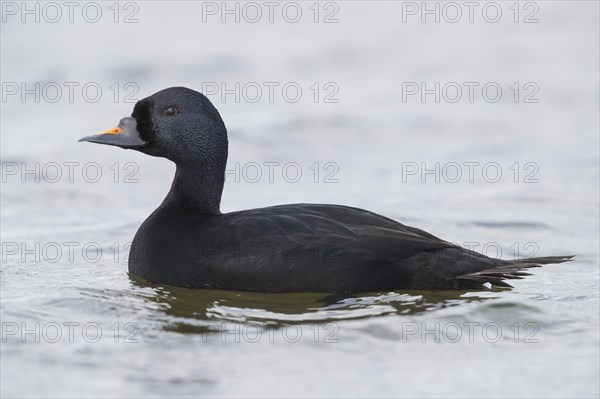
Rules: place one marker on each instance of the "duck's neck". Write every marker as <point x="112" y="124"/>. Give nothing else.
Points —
<point x="197" y="188"/>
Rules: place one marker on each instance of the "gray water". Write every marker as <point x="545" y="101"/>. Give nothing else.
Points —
<point x="74" y="324"/>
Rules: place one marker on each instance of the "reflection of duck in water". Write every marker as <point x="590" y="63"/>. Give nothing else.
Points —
<point x="188" y="242"/>
<point x="198" y="311"/>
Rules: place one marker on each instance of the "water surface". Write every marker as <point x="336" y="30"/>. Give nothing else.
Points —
<point x="74" y="324"/>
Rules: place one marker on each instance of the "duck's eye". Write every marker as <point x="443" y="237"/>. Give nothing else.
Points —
<point x="171" y="111"/>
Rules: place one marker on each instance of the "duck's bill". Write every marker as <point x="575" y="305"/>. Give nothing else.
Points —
<point x="125" y="135"/>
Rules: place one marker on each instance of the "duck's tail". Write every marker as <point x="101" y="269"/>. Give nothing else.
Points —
<point x="511" y="270"/>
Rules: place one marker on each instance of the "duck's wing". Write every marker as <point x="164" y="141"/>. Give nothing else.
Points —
<point x="305" y="247"/>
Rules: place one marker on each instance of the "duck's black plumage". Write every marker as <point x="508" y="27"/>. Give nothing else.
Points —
<point x="188" y="242"/>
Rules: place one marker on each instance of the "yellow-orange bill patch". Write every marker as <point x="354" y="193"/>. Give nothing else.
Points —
<point x="114" y="130"/>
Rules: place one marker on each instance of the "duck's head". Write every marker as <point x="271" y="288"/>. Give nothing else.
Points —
<point x="177" y="123"/>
